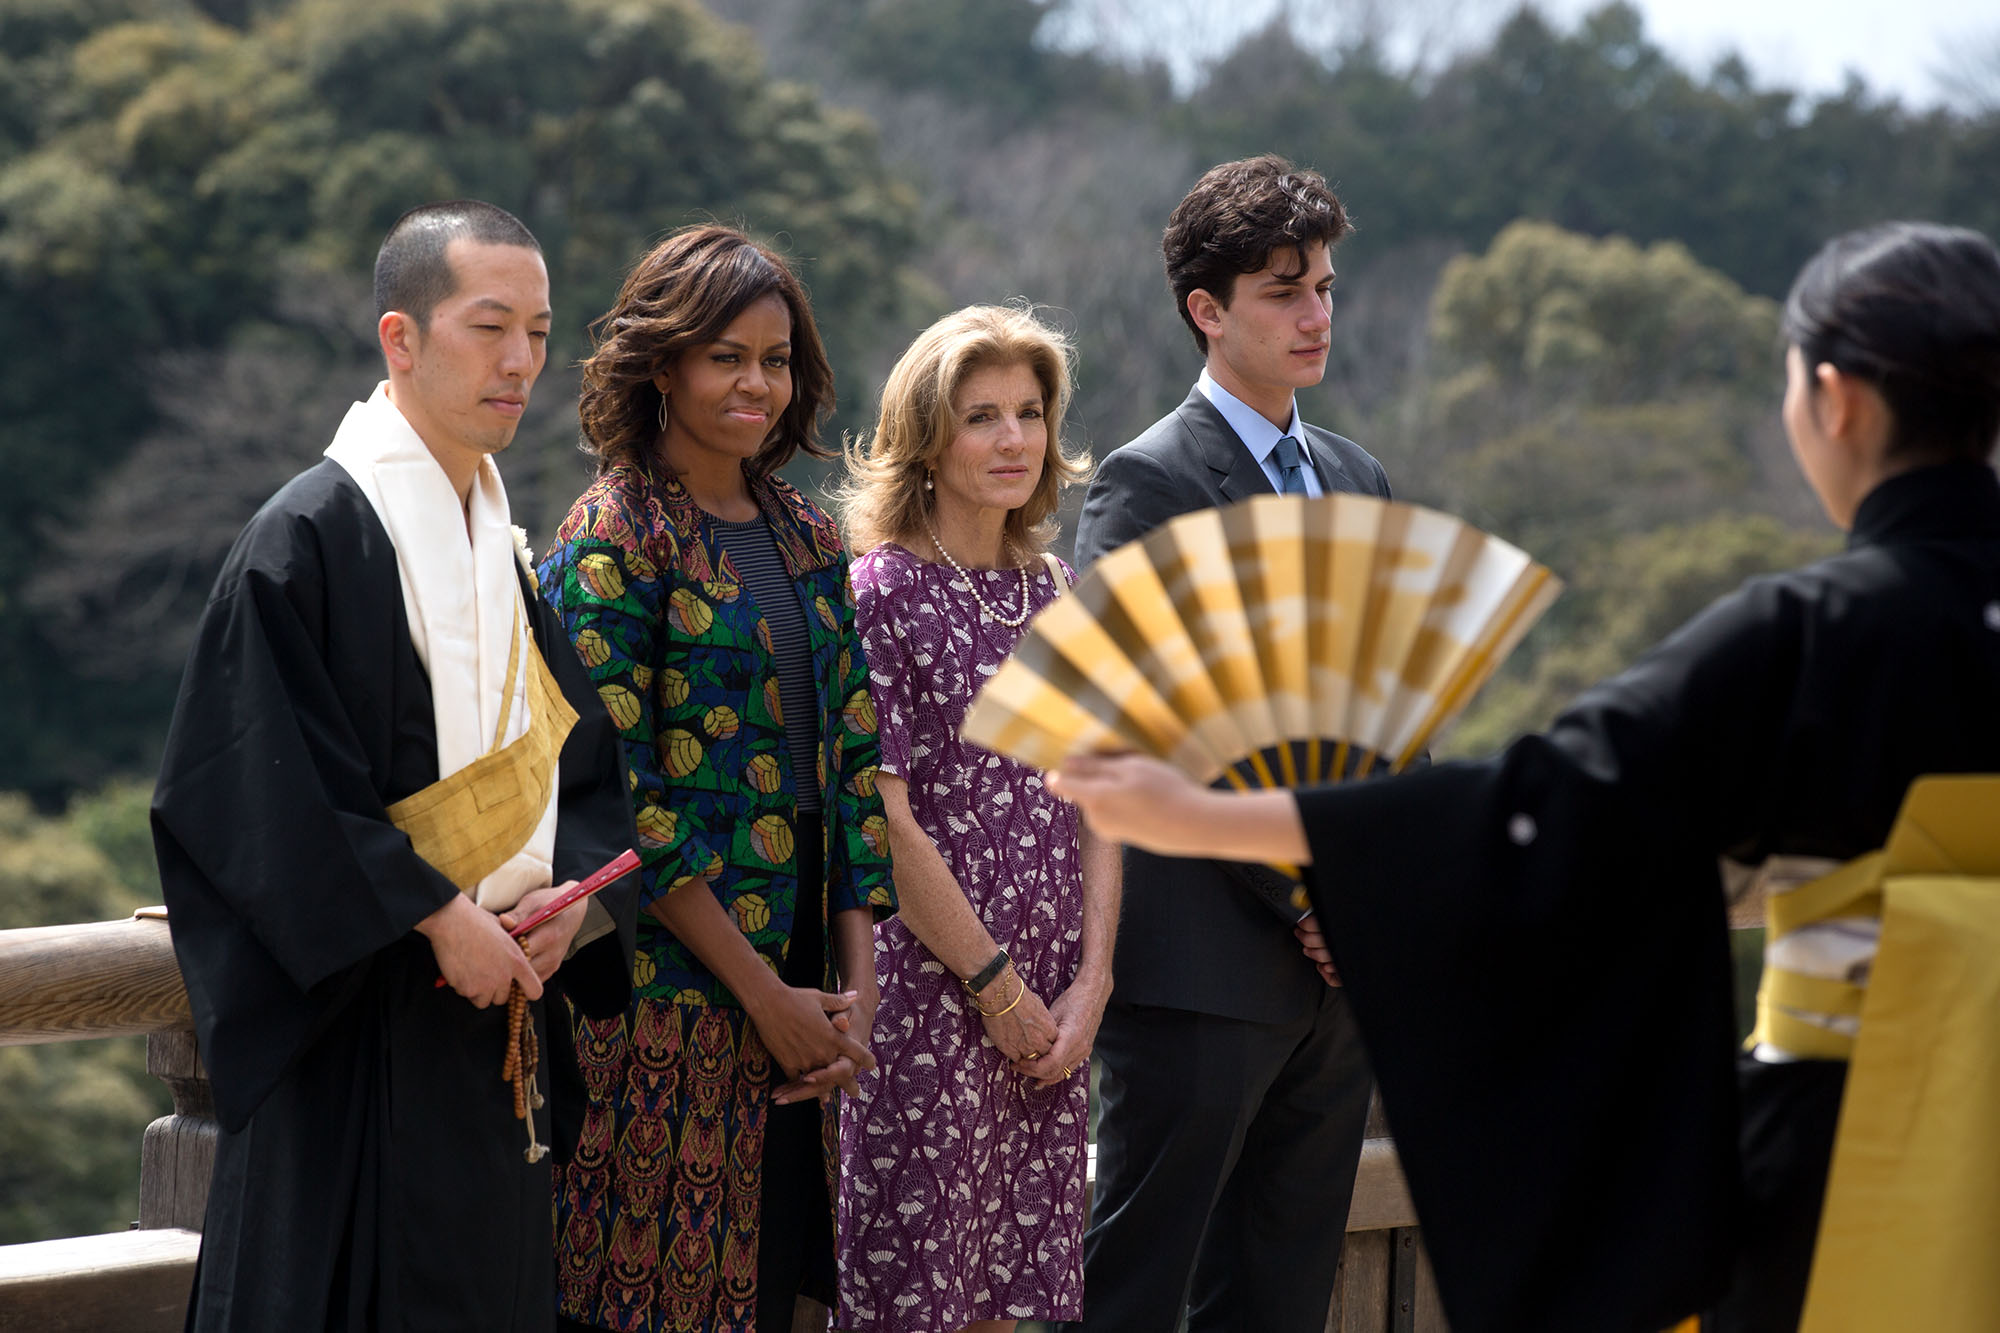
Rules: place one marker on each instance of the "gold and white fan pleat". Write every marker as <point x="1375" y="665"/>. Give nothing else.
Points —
<point x="1279" y="642"/>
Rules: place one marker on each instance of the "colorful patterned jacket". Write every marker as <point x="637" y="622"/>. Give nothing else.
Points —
<point x="681" y="656"/>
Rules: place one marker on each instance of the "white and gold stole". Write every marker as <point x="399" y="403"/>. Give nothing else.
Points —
<point x="489" y="823"/>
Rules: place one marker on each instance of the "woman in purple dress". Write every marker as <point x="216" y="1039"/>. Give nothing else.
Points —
<point x="962" y="1159"/>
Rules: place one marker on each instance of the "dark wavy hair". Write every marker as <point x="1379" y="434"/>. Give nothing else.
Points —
<point x="1235" y="218"/>
<point x="685" y="293"/>
<point x="1914" y="309"/>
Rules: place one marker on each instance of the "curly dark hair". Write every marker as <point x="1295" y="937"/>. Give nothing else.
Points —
<point x="1236" y="217"/>
<point x="685" y="292"/>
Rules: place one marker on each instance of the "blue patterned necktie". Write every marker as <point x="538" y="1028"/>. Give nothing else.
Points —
<point x="1290" y="471"/>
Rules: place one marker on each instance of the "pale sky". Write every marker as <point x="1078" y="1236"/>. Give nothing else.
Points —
<point x="1897" y="45"/>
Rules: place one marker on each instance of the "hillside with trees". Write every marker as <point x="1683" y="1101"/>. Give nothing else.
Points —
<point x="190" y="198"/>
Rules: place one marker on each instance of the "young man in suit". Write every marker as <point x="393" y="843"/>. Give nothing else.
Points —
<point x="1232" y="1078"/>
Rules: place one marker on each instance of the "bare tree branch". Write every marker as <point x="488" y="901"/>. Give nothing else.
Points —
<point x="1968" y="74"/>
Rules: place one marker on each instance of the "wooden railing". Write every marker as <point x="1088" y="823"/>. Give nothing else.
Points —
<point x="118" y="979"/>
<point x="112" y="979"/>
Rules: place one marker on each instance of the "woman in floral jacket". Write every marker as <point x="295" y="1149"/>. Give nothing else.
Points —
<point x="711" y="602"/>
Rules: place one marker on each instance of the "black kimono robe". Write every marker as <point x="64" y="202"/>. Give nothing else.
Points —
<point x="370" y="1172"/>
<point x="1535" y="944"/>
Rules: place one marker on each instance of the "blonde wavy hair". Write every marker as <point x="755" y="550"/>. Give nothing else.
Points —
<point x="883" y="498"/>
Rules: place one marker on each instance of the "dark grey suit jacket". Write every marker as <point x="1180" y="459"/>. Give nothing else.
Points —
<point x="1194" y="934"/>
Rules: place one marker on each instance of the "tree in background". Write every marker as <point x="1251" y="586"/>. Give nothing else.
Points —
<point x="1585" y="389"/>
<point x="72" y="1114"/>
<point x="176" y="190"/>
<point x="1046" y="177"/>
<point x="184" y="187"/>
<point x="1612" y="410"/>
<point x="1595" y="129"/>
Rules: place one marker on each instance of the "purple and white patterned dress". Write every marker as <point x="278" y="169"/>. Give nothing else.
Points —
<point x="962" y="1189"/>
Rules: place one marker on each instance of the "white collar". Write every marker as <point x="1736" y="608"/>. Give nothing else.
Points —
<point x="1259" y="436"/>
<point x="462" y="598"/>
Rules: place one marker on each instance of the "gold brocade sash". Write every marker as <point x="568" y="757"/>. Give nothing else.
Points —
<point x="467" y="825"/>
<point x="1912" y="1214"/>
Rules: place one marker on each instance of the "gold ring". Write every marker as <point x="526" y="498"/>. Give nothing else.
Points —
<point x="1032" y="1055"/>
<point x="1068" y="1070"/>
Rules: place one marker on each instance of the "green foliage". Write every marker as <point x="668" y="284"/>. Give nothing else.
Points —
<point x="1604" y="406"/>
<point x="1597" y="130"/>
<point x="1604" y="321"/>
<point x="175" y="173"/>
<point x="54" y="871"/>
<point x="1587" y="390"/>
<point x="182" y="174"/>
<point x="1354" y="119"/>
<point x="1564" y="484"/>
<point x="72" y="1115"/>
<point x="1629" y="596"/>
<point x="116" y="821"/>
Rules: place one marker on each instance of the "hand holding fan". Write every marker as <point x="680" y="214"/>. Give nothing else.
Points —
<point x="1282" y="641"/>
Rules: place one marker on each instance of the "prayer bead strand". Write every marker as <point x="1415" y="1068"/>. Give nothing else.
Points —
<point x="524" y="1057"/>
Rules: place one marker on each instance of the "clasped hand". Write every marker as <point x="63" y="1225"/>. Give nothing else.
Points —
<point x="1074" y="1017"/>
<point x="1043" y="1043"/>
<point x="1025" y="1031"/>
<point x="1313" y="940"/>
<point x="819" y="1039"/>
<point x="482" y="962"/>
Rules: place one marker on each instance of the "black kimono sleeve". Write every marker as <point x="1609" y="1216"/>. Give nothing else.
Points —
<point x="1535" y="947"/>
<point x="281" y="870"/>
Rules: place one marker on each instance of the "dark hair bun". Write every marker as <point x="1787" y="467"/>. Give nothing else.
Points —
<point x="1914" y="308"/>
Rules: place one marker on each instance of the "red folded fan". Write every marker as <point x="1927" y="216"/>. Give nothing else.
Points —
<point x="617" y="868"/>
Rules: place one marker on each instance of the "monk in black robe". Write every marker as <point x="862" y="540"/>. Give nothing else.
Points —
<point x="370" y="1173"/>
<point x="1534" y="943"/>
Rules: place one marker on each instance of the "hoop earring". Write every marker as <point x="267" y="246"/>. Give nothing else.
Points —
<point x="662" y="414"/>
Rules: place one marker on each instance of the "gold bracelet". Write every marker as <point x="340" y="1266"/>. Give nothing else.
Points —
<point x="1020" y="989"/>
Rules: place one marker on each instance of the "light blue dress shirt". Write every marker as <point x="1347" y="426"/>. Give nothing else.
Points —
<point x="1259" y="436"/>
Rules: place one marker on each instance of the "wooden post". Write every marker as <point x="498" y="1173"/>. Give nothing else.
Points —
<point x="1384" y="1283"/>
<point x="178" y="1153"/>
<point x="1363" y="1286"/>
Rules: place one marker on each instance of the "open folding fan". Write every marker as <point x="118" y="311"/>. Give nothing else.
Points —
<point x="1279" y="642"/>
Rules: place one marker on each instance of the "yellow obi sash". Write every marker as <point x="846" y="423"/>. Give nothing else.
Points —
<point x="467" y="825"/>
<point x="1912" y="1216"/>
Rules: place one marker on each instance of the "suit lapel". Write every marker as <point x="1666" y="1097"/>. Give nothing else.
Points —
<point x="1332" y="475"/>
<point x="1233" y="472"/>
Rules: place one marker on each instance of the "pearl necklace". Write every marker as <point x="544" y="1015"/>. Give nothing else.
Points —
<point x="1011" y="622"/>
